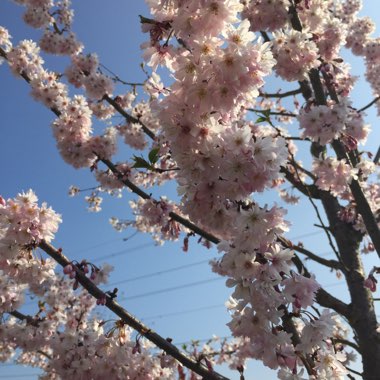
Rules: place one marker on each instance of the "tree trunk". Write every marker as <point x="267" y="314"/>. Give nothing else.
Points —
<point x="362" y="317"/>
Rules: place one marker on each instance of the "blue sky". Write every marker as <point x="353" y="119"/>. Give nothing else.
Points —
<point x="29" y="159"/>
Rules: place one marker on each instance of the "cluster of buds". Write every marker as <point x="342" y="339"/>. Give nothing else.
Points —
<point x="72" y="269"/>
<point x="102" y="300"/>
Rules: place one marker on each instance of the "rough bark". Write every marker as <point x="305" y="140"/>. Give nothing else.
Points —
<point x="362" y="317"/>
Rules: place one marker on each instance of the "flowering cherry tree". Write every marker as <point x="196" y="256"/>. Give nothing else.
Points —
<point x="214" y="131"/>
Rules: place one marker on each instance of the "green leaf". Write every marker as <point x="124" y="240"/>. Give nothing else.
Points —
<point x="153" y="155"/>
<point x="261" y="119"/>
<point x="140" y="162"/>
<point x="145" y="20"/>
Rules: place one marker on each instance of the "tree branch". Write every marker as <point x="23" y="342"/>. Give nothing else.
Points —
<point x="333" y="264"/>
<point x="130" y="320"/>
<point x="307" y="190"/>
<point x="185" y="222"/>
<point x="22" y="317"/>
<point x="362" y="204"/>
<point x="347" y="343"/>
<point x="289" y="114"/>
<point x="324" y="298"/>
<point x="369" y="104"/>
<point x="280" y="94"/>
<point x="127" y="116"/>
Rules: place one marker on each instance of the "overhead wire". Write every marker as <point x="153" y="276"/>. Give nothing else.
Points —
<point x="187" y="311"/>
<point x="97" y="245"/>
<point x="158" y="273"/>
<point x="170" y="289"/>
<point x="123" y="252"/>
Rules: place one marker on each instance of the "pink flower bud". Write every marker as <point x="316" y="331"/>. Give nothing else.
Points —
<point x="68" y="269"/>
<point x="2" y="201"/>
<point x="350" y="142"/>
<point x="209" y="365"/>
<point x="73" y="274"/>
<point x="102" y="300"/>
<point x="370" y="283"/>
<point x="136" y="348"/>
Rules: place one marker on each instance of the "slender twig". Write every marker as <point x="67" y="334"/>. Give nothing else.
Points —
<point x="118" y="79"/>
<point x="44" y="354"/>
<point x="296" y="138"/>
<point x="307" y="190"/>
<point x="347" y="343"/>
<point x="353" y="371"/>
<point x="280" y="113"/>
<point x="322" y="297"/>
<point x="280" y="94"/>
<point x="319" y="216"/>
<point x="312" y="256"/>
<point x="296" y="165"/>
<point x="323" y="227"/>
<point x="369" y="104"/>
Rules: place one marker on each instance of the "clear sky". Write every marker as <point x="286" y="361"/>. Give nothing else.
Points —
<point x="29" y="159"/>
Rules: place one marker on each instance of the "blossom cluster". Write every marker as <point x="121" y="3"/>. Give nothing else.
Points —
<point x="154" y="217"/>
<point x="62" y="338"/>
<point x="333" y="175"/>
<point x="296" y="54"/>
<point x="23" y="223"/>
<point x="323" y="124"/>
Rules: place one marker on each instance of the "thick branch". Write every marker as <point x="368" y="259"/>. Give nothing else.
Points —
<point x="362" y="204"/>
<point x="365" y="211"/>
<point x="130" y="320"/>
<point x="185" y="222"/>
<point x="128" y="117"/>
<point x="108" y="99"/>
<point x="22" y="317"/>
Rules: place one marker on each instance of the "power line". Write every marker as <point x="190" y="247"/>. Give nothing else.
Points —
<point x="96" y="246"/>
<point x="159" y="272"/>
<point x="175" y="313"/>
<point x="306" y="235"/>
<point x="171" y="289"/>
<point x="124" y="251"/>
